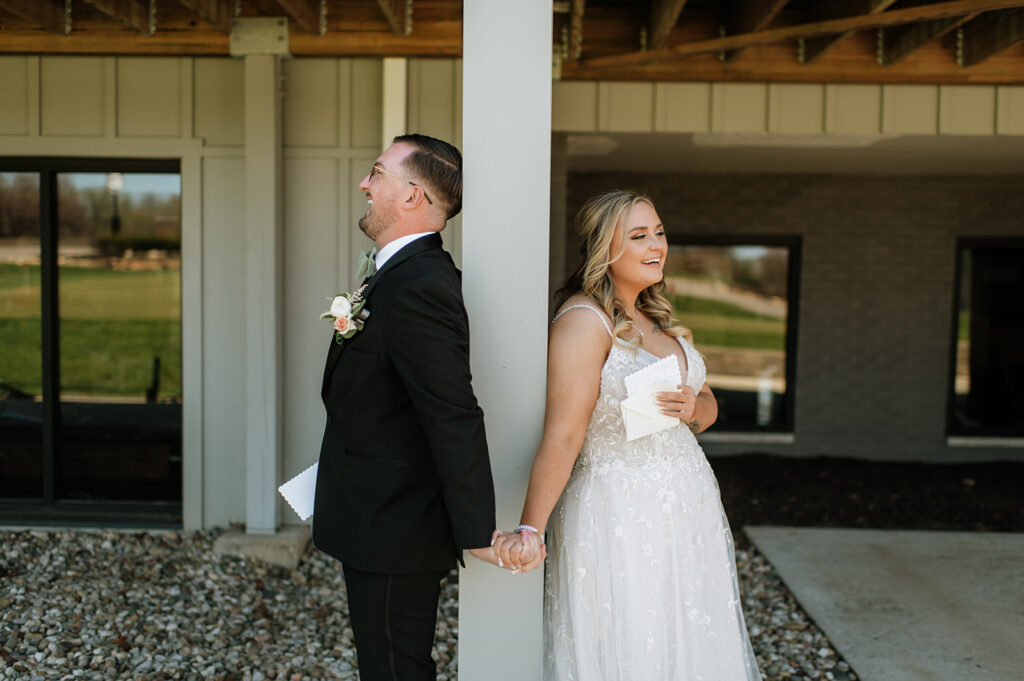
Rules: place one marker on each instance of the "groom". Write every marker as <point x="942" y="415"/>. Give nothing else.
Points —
<point x="404" y="483"/>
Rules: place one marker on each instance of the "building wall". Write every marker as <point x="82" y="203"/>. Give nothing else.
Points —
<point x="193" y="108"/>
<point x="788" y="108"/>
<point x="875" y="308"/>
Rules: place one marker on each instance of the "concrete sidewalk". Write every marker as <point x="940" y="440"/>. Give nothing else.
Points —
<point x="909" y="605"/>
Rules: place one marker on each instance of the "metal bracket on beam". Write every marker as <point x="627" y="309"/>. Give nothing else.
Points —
<point x="259" y="35"/>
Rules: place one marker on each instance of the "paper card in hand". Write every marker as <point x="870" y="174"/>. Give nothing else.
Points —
<point x="300" y="491"/>
<point x="640" y="414"/>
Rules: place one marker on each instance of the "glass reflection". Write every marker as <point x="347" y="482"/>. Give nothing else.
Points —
<point x="735" y="301"/>
<point x="21" y="366"/>
<point x="119" y="283"/>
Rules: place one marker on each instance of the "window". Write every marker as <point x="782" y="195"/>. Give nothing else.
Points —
<point x="988" y="339"/>
<point x="90" y="323"/>
<point x="736" y="296"/>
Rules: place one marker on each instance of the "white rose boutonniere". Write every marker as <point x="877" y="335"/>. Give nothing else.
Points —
<point x="347" y="314"/>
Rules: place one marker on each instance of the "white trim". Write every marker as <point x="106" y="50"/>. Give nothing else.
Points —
<point x="748" y="438"/>
<point x="192" y="517"/>
<point x="984" y="442"/>
<point x="394" y="98"/>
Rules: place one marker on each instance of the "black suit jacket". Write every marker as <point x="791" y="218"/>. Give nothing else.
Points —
<point x="404" y="482"/>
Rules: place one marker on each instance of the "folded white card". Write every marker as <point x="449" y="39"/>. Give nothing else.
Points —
<point x="640" y="414"/>
<point x="300" y="491"/>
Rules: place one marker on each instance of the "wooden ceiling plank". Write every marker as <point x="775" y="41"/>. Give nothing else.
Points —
<point x="132" y="13"/>
<point x="990" y="34"/>
<point x="399" y="15"/>
<point x="46" y="13"/>
<point x="751" y="16"/>
<point x="895" y="17"/>
<point x="307" y="14"/>
<point x="216" y="12"/>
<point x="664" y="15"/>
<point x="576" y="10"/>
<point x="813" y="49"/>
<point x="898" y="43"/>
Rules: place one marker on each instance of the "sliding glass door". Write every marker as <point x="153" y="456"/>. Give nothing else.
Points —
<point x="90" y="422"/>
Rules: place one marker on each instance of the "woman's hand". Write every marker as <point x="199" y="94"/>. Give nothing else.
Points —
<point x="519" y="551"/>
<point x="681" y="405"/>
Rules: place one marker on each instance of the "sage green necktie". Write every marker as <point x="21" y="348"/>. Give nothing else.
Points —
<point x="367" y="263"/>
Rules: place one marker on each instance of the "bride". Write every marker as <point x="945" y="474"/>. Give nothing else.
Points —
<point x="641" y="575"/>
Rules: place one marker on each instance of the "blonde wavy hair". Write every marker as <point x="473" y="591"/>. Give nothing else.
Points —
<point x="595" y="227"/>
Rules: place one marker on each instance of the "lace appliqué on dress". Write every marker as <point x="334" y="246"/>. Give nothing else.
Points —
<point x="641" y="576"/>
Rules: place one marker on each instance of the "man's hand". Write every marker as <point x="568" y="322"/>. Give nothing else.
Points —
<point x="520" y="551"/>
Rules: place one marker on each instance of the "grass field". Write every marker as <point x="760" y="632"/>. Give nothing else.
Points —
<point x="94" y="293"/>
<point x="112" y="326"/>
<point x="725" y="325"/>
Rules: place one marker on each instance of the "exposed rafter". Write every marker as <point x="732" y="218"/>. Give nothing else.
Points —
<point x="897" y="17"/>
<point x="751" y="16"/>
<point x="988" y="35"/>
<point x="897" y="43"/>
<point x="132" y="13"/>
<point x="46" y="13"/>
<point x="217" y="12"/>
<point x="309" y="14"/>
<point x="812" y="49"/>
<point x="576" y="10"/>
<point x="399" y="15"/>
<point x="664" y="15"/>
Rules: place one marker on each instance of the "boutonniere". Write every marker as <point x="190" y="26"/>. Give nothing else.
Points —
<point x="347" y="314"/>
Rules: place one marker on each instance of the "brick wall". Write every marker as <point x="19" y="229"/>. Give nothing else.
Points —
<point x="876" y="292"/>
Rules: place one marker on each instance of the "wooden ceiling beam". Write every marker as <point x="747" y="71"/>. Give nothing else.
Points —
<point x="989" y="34"/>
<point x="398" y="14"/>
<point x="899" y="42"/>
<point x="46" y="13"/>
<point x="751" y="16"/>
<point x="309" y="14"/>
<point x="576" y="10"/>
<point x="895" y="17"/>
<point x="812" y="49"/>
<point x="664" y="15"/>
<point x="132" y="13"/>
<point x="218" y="13"/>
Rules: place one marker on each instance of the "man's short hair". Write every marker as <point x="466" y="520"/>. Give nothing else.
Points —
<point x="438" y="165"/>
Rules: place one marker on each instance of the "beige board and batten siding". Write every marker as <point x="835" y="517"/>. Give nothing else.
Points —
<point x="787" y="109"/>
<point x="193" y="108"/>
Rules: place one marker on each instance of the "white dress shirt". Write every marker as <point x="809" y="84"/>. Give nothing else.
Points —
<point x="384" y="254"/>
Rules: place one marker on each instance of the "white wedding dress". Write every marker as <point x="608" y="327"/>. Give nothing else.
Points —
<point x="641" y="573"/>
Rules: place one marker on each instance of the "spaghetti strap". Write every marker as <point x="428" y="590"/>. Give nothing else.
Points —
<point x="591" y="308"/>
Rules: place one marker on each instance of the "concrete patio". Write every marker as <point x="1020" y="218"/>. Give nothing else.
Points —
<point x="909" y="605"/>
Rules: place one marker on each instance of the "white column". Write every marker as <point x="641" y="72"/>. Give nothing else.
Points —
<point x="263" y="278"/>
<point x="506" y="149"/>
<point x="395" y="96"/>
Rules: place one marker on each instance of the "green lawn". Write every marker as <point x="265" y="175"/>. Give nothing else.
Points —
<point x="98" y="357"/>
<point x="94" y="293"/>
<point x="725" y="325"/>
<point x="112" y="326"/>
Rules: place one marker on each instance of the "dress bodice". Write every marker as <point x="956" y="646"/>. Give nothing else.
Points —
<point x="605" y="442"/>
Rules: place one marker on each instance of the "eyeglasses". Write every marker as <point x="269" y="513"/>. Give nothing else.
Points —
<point x="379" y="170"/>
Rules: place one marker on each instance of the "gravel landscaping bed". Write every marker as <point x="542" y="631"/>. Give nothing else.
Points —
<point x="157" y="606"/>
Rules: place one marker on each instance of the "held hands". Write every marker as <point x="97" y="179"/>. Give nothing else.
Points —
<point x="515" y="551"/>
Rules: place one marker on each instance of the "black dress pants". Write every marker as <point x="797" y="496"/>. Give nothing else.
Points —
<point x="393" y="619"/>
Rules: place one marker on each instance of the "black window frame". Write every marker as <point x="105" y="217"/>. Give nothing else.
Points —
<point x="50" y="509"/>
<point x="953" y="429"/>
<point x="794" y="243"/>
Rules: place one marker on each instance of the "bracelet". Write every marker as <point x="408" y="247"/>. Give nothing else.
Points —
<point x="529" y="528"/>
